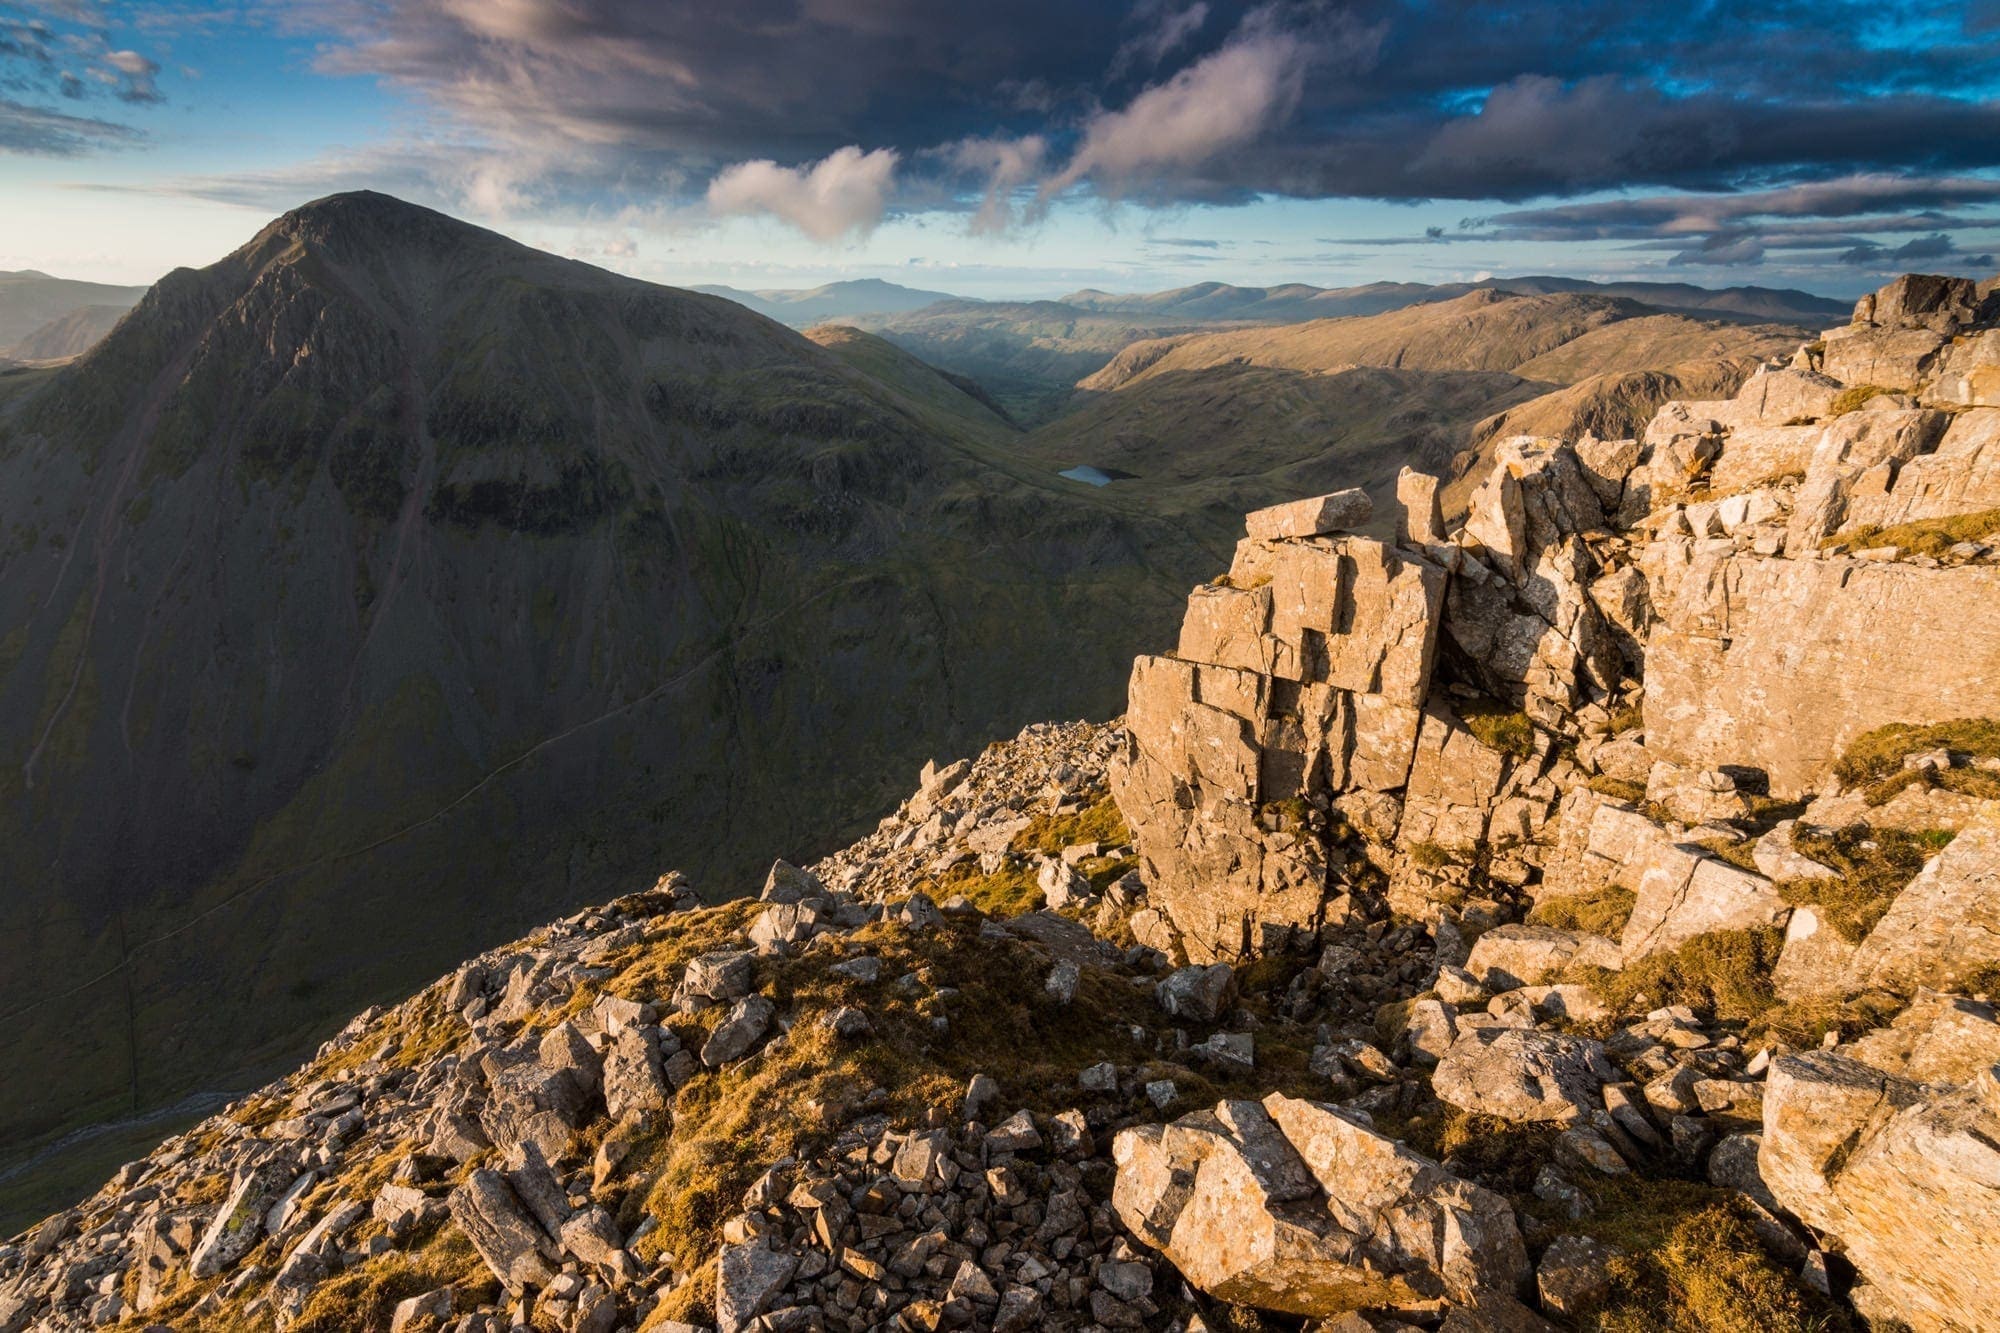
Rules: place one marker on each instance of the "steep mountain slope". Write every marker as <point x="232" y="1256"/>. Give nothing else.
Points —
<point x="70" y="335"/>
<point x="375" y="590"/>
<point x="954" y="395"/>
<point x="30" y="300"/>
<point x="802" y="308"/>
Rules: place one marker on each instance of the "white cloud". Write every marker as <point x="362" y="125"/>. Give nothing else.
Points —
<point x="1220" y="102"/>
<point x="844" y="194"/>
<point x="1005" y="166"/>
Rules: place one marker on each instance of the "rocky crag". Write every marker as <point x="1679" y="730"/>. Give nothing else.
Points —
<point x="1581" y="917"/>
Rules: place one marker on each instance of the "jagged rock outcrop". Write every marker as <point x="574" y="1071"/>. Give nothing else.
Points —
<point x="1297" y="1207"/>
<point x="1298" y="677"/>
<point x="1906" y="1175"/>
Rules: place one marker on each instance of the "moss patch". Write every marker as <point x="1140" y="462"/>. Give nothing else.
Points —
<point x="1874" y="762"/>
<point x="1690" y="1263"/>
<point x="1499" y="728"/>
<point x="1619" y="789"/>
<point x="1872" y="866"/>
<point x="1726" y="974"/>
<point x="1851" y="398"/>
<point x="1601" y="911"/>
<point x="1931" y="536"/>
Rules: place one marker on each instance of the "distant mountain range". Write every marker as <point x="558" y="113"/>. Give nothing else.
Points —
<point x="1297" y="302"/>
<point x="834" y="301"/>
<point x="45" y="318"/>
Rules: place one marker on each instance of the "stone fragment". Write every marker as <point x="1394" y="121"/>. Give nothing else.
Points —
<point x="513" y="1245"/>
<point x="239" y="1224"/>
<point x="744" y="1026"/>
<point x="722" y="975"/>
<point x="1290" y="1206"/>
<point x="1509" y="957"/>
<point x="1523" y="1074"/>
<point x="1574" y="1275"/>
<point x="1944" y="927"/>
<point x="748" y="1280"/>
<point x="634" y="1084"/>
<point x="788" y="884"/>
<point x="1341" y="511"/>
<point x="1198" y="994"/>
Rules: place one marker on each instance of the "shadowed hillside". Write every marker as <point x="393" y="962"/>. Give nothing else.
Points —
<point x="387" y="585"/>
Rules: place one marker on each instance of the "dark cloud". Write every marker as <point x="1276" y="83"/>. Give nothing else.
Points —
<point x="993" y="106"/>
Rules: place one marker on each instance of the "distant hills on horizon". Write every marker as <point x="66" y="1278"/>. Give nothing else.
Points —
<point x="1286" y="303"/>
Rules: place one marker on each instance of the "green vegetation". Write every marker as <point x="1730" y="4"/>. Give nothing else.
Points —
<point x="1431" y="856"/>
<point x="1874" y="762"/>
<point x="1601" y="911"/>
<point x="1099" y="823"/>
<point x="1690" y="1263"/>
<point x="1726" y="974"/>
<point x="1499" y="728"/>
<point x="1686" y="1258"/>
<point x="1930" y="536"/>
<point x="1851" y="398"/>
<point x="1619" y="789"/>
<point x="1872" y="866"/>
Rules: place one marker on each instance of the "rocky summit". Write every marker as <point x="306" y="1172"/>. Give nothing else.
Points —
<point x="1580" y="914"/>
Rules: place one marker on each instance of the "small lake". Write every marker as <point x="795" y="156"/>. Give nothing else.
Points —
<point x="1094" y="476"/>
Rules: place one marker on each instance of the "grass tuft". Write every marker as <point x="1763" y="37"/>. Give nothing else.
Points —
<point x="1872" y="866"/>
<point x="1874" y="762"/>
<point x="1851" y="398"/>
<point x="1600" y="911"/>
<point x="1933" y="537"/>
<point x="1499" y="728"/>
<point x="1726" y="974"/>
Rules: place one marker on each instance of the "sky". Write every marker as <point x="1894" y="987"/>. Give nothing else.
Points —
<point x="1025" y="148"/>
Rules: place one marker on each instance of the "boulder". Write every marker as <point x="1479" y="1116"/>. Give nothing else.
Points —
<point x="513" y="1245"/>
<point x="1684" y="892"/>
<point x="748" y="1279"/>
<point x="720" y="975"/>
<point x="788" y="884"/>
<point x="1197" y="994"/>
<point x="1779" y="664"/>
<point x="1574" y="1275"/>
<point x="1509" y="957"/>
<point x="1342" y="511"/>
<point x="1293" y="1207"/>
<point x="1906" y="1176"/>
<point x="634" y="1084"/>
<point x="1061" y="884"/>
<point x="1938" y="1039"/>
<point x="785" y="924"/>
<point x="1814" y="959"/>
<point x="239" y="1224"/>
<point x="1523" y="1074"/>
<point x="1944" y="927"/>
<point x="744" y="1026"/>
<point x="1962" y="476"/>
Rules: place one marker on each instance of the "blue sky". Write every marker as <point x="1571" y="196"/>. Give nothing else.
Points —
<point x="1026" y="147"/>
